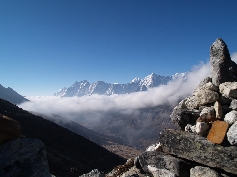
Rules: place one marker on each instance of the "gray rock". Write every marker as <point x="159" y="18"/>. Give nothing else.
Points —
<point x="199" y="171"/>
<point x="204" y="81"/>
<point x="218" y="110"/>
<point x="202" y="128"/>
<point x="196" y="148"/>
<point x="229" y="89"/>
<point x="191" y="102"/>
<point x="231" y="117"/>
<point x="181" y="117"/>
<point x="208" y="113"/>
<point x="233" y="104"/>
<point x="232" y="134"/>
<point x="161" y="160"/>
<point x="204" y="97"/>
<point x="206" y="86"/>
<point x="223" y="69"/>
<point x="93" y="173"/>
<point x="156" y="172"/>
<point x="23" y="157"/>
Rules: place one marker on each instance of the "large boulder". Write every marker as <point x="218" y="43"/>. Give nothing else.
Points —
<point x="200" y="171"/>
<point x="204" y="97"/>
<point x="9" y="129"/>
<point x="23" y="157"/>
<point x="229" y="89"/>
<point x="196" y="148"/>
<point x="205" y="86"/>
<point x="223" y="69"/>
<point x="162" y="161"/>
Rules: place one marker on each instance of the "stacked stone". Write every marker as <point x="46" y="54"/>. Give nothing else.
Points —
<point x="206" y="143"/>
<point x="208" y="119"/>
<point x="211" y="110"/>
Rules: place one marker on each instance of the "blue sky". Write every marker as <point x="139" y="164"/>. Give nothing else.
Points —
<point x="48" y="44"/>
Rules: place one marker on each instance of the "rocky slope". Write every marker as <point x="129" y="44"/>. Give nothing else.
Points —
<point x="68" y="153"/>
<point x="205" y="144"/>
<point x="10" y="95"/>
<point x="100" y="87"/>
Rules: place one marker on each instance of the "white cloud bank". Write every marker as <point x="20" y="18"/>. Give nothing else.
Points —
<point x="234" y="57"/>
<point x="163" y="94"/>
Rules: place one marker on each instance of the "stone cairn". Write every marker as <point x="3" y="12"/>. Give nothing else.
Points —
<point x="205" y="142"/>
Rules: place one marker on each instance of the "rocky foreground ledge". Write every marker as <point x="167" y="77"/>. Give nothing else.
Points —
<point x="199" y="149"/>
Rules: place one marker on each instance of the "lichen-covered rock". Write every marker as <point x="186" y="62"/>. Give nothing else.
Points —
<point x="196" y="148"/>
<point x="233" y="105"/>
<point x="218" y="131"/>
<point x="229" y="89"/>
<point x="218" y="110"/>
<point x="200" y="171"/>
<point x="94" y="173"/>
<point x="156" y="172"/>
<point x="161" y="160"/>
<point x="231" y="117"/>
<point x="232" y="134"/>
<point x="204" y="97"/>
<point x="23" y="157"/>
<point x="206" y="86"/>
<point x="191" y="102"/>
<point x="9" y="129"/>
<point x="202" y="128"/>
<point x="181" y="117"/>
<point x="223" y="69"/>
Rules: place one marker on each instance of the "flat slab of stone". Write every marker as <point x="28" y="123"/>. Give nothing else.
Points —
<point x="218" y="132"/>
<point x="23" y="157"/>
<point x="193" y="147"/>
<point x="160" y="160"/>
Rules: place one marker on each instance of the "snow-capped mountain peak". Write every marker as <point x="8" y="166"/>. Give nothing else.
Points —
<point x="100" y="87"/>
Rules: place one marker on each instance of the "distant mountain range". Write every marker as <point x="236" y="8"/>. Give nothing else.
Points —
<point x="11" y="95"/>
<point x="102" y="88"/>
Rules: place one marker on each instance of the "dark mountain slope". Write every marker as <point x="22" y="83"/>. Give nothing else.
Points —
<point x="10" y="95"/>
<point x="68" y="153"/>
<point x="83" y="131"/>
<point x="140" y="128"/>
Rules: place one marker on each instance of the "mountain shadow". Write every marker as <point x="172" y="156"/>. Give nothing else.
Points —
<point x="68" y="153"/>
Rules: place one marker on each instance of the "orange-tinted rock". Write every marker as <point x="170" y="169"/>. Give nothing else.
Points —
<point x="218" y="131"/>
<point x="9" y="129"/>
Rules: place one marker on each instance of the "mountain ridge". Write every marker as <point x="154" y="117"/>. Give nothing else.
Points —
<point x="84" y="87"/>
<point x="11" y="95"/>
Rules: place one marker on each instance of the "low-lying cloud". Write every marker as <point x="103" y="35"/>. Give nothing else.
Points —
<point x="164" y="94"/>
<point x="234" y="57"/>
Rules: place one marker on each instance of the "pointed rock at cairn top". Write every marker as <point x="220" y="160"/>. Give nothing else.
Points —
<point x="223" y="69"/>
